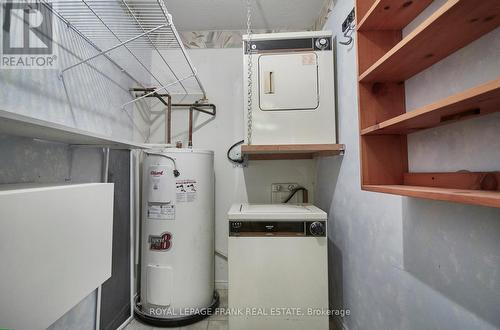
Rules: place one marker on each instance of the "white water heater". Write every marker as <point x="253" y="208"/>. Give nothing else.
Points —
<point x="177" y="237"/>
<point x="292" y="89"/>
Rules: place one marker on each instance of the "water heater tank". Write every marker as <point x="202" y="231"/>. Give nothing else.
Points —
<point x="177" y="237"/>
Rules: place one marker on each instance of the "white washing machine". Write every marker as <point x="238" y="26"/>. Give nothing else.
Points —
<point x="278" y="267"/>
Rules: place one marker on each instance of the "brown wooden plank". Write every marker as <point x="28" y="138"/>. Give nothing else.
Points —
<point x="372" y="45"/>
<point x="473" y="197"/>
<point x="379" y="102"/>
<point x="290" y="148"/>
<point x="391" y="14"/>
<point x="480" y="100"/>
<point x="291" y="151"/>
<point x="362" y="7"/>
<point x="384" y="159"/>
<point x="280" y="156"/>
<point x="451" y="27"/>
<point x="458" y="180"/>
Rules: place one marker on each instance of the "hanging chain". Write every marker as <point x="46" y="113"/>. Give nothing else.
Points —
<point x="249" y="72"/>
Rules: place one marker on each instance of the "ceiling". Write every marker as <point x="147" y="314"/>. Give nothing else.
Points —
<point x="217" y="15"/>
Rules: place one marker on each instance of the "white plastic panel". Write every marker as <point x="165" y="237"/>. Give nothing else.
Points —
<point x="278" y="272"/>
<point x="275" y="212"/>
<point x="159" y="285"/>
<point x="288" y="81"/>
<point x="55" y="248"/>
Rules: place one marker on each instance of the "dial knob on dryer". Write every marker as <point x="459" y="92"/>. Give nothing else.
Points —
<point x="322" y="43"/>
<point x="317" y="229"/>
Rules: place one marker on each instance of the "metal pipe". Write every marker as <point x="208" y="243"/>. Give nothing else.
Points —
<point x="168" y="110"/>
<point x="190" y="139"/>
<point x="195" y="106"/>
<point x="213" y="113"/>
<point x="154" y="91"/>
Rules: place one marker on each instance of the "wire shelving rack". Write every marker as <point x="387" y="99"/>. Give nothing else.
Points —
<point x="144" y="30"/>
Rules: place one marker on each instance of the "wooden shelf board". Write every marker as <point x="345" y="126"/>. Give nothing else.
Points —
<point x="291" y="151"/>
<point x="391" y="14"/>
<point x="463" y="180"/>
<point x="479" y="100"/>
<point x="474" y="197"/>
<point x="19" y="125"/>
<point x="451" y="27"/>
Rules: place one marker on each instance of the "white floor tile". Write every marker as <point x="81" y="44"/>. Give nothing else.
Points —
<point x="218" y="325"/>
<point x="136" y="325"/>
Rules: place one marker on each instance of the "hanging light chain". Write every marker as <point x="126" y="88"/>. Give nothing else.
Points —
<point x="249" y="72"/>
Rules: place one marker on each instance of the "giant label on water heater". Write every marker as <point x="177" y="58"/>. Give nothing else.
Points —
<point x="161" y="194"/>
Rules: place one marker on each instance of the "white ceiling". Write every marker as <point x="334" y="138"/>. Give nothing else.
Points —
<point x="216" y="15"/>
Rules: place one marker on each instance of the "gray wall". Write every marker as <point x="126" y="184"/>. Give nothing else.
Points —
<point x="404" y="263"/>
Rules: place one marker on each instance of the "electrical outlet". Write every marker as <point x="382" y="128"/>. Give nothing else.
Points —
<point x="349" y="19"/>
<point x="280" y="191"/>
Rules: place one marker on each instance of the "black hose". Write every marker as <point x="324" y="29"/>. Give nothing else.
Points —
<point x="293" y="194"/>
<point x="240" y="160"/>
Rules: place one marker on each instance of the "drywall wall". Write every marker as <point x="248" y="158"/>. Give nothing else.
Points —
<point x="403" y="263"/>
<point x="221" y="71"/>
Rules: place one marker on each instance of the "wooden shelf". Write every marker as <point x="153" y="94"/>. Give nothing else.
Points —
<point x="451" y="27"/>
<point x="474" y="197"/>
<point x="391" y="14"/>
<point x="19" y="125"/>
<point x="385" y="60"/>
<point x="480" y="100"/>
<point x="291" y="151"/>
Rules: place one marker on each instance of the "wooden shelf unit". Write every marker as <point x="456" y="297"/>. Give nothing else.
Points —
<point x="453" y="26"/>
<point x="385" y="60"/>
<point x="291" y="151"/>
<point x="391" y="14"/>
<point x="473" y="197"/>
<point x="474" y="102"/>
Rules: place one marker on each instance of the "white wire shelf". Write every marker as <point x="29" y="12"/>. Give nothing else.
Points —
<point x="142" y="29"/>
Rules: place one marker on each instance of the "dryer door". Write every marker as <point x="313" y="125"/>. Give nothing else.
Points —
<point x="288" y="81"/>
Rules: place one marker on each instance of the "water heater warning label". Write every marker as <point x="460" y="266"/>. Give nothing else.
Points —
<point x="161" y="211"/>
<point x="186" y="191"/>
